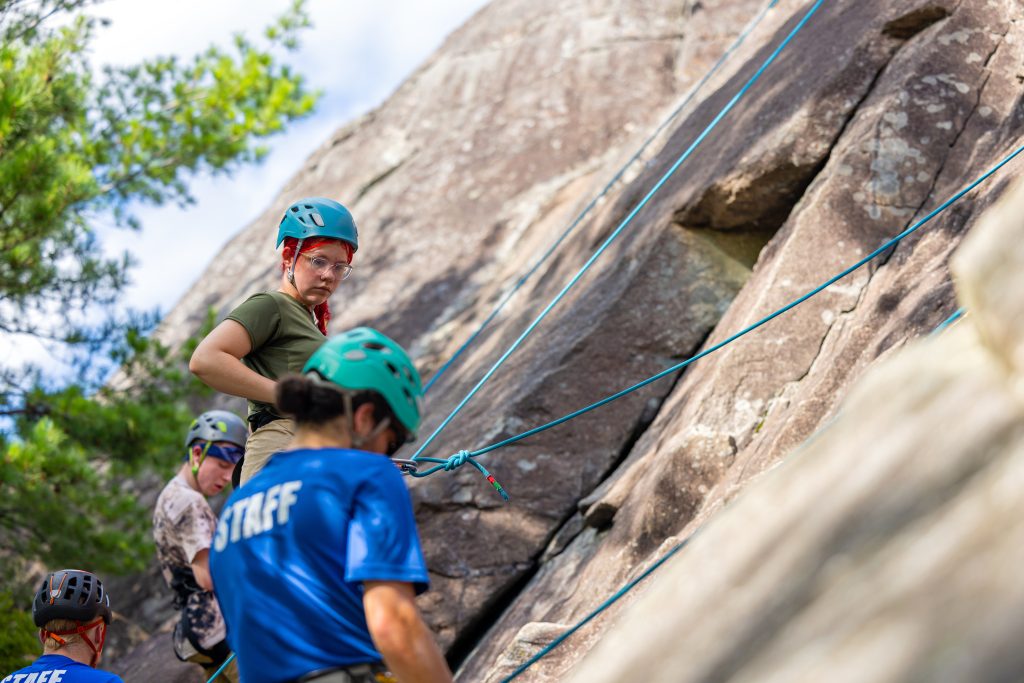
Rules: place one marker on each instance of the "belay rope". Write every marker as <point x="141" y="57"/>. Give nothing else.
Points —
<point x="449" y="463"/>
<point x="632" y="583"/>
<point x="740" y="39"/>
<point x="468" y="456"/>
<point x="463" y="457"/>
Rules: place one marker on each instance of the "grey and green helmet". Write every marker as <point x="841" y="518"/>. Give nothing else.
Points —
<point x="217" y="425"/>
<point x="318" y="217"/>
<point x="364" y="359"/>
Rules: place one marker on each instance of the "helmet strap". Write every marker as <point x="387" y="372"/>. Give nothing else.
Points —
<point x="197" y="464"/>
<point x="295" y="258"/>
<point x="350" y="417"/>
<point x="96" y="648"/>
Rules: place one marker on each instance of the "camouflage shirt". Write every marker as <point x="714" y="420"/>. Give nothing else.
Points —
<point x="183" y="525"/>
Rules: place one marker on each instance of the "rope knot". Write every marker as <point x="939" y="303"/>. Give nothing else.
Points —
<point x="456" y="461"/>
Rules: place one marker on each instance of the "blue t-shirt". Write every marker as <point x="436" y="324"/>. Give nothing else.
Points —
<point x="292" y="549"/>
<point x="60" y="669"/>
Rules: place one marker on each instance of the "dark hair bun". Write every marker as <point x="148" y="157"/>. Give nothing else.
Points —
<point x="308" y="401"/>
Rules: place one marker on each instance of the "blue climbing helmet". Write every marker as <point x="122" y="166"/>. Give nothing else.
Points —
<point x="218" y="425"/>
<point x="364" y="359"/>
<point x="318" y="217"/>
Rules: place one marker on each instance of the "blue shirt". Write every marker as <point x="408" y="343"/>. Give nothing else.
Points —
<point x="60" y="669"/>
<point x="292" y="549"/>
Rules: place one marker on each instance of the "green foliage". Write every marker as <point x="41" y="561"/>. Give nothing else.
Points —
<point x="74" y="145"/>
<point x="77" y="146"/>
<point x="64" y="475"/>
<point x="18" y="643"/>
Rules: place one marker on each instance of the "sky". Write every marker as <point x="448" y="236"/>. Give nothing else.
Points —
<point x="357" y="53"/>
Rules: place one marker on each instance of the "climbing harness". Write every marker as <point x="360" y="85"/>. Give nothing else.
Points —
<point x="417" y="456"/>
<point x="740" y="39"/>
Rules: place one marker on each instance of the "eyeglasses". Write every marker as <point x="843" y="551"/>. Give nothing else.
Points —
<point x="319" y="264"/>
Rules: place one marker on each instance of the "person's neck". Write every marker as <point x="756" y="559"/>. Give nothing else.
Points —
<point x="78" y="652"/>
<point x="325" y="436"/>
<point x="320" y="439"/>
<point x="186" y="474"/>
<point x="289" y="289"/>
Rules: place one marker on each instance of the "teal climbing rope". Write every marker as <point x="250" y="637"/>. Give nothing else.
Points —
<point x="223" y="666"/>
<point x="615" y="234"/>
<point x="740" y="39"/>
<point x="469" y="456"/>
<point x="957" y="314"/>
<point x="543" y="652"/>
<point x="615" y="597"/>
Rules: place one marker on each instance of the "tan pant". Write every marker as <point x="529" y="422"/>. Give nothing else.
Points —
<point x="228" y="675"/>
<point x="263" y="443"/>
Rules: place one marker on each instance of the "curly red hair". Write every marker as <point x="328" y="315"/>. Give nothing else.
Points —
<point x="322" y="312"/>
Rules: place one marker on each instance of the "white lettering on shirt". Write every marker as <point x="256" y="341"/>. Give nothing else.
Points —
<point x="221" y="539"/>
<point x="252" y="526"/>
<point x="238" y="510"/>
<point x="253" y="515"/>
<point x="288" y="498"/>
<point x="48" y="676"/>
<point x="270" y="503"/>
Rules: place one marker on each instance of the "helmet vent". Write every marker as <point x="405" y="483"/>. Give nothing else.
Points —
<point x="318" y="219"/>
<point x="373" y="346"/>
<point x="393" y="369"/>
<point x="355" y="354"/>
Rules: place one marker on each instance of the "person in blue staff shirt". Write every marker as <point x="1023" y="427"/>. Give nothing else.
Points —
<point x="72" y="612"/>
<point x="316" y="560"/>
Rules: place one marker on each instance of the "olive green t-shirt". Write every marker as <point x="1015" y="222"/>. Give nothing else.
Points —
<point x="282" y="333"/>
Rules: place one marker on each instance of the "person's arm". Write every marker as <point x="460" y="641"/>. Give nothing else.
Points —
<point x="400" y="635"/>
<point x="201" y="569"/>
<point x="217" y="361"/>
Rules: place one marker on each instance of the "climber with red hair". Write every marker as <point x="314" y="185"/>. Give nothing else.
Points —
<point x="274" y="333"/>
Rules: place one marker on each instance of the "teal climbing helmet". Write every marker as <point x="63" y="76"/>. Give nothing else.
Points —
<point x="318" y="217"/>
<point x="364" y="359"/>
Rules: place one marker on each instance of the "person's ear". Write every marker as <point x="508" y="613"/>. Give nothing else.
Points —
<point x="363" y="419"/>
<point x="194" y="454"/>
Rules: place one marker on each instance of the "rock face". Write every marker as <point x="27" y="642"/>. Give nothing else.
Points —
<point x="875" y="113"/>
<point x="921" y="119"/>
<point x="907" y="570"/>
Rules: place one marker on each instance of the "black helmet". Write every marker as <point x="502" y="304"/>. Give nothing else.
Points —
<point x="70" y="594"/>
